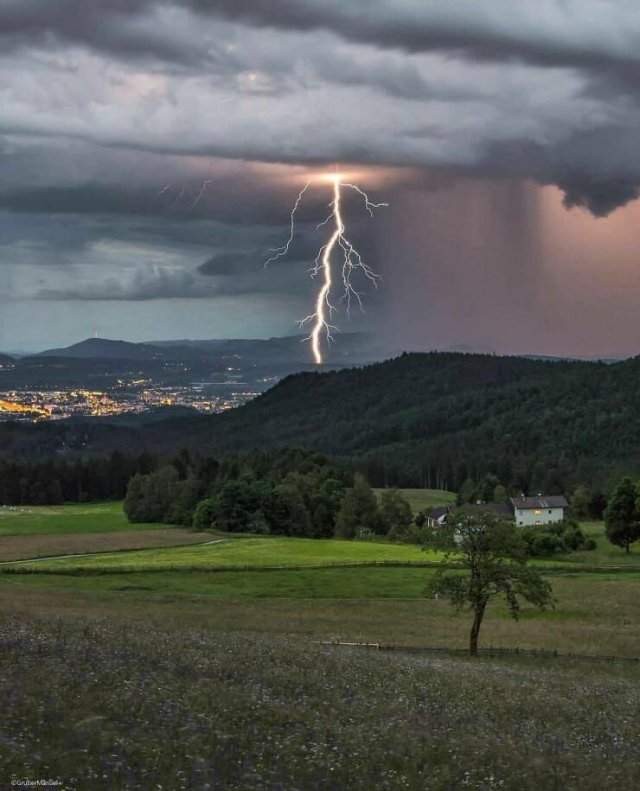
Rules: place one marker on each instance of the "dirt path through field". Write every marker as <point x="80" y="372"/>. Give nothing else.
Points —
<point x="54" y="547"/>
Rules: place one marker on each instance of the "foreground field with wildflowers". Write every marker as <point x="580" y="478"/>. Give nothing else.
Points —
<point x="134" y="670"/>
<point x="99" y="704"/>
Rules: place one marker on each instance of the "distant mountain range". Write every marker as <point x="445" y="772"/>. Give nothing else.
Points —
<point x="102" y="362"/>
<point x="348" y="348"/>
<point x="104" y="349"/>
<point x="289" y="348"/>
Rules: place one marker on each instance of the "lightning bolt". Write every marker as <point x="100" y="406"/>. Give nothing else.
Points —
<point x="352" y="262"/>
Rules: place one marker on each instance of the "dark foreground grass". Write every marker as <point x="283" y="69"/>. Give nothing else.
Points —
<point x="101" y="705"/>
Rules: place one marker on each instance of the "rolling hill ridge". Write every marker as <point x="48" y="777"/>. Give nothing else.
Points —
<point x="419" y="419"/>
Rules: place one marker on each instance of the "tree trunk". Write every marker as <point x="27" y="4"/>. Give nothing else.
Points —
<point x="475" y="629"/>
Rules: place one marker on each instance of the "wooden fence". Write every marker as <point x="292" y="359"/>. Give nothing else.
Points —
<point x="539" y="653"/>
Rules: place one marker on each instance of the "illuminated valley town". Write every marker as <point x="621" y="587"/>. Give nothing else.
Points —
<point x="132" y="398"/>
<point x="98" y="377"/>
<point x="34" y="389"/>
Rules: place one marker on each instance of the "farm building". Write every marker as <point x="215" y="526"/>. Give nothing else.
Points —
<point x="540" y="510"/>
<point x="526" y="511"/>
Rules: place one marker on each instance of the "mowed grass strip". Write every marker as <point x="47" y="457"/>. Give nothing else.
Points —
<point x="248" y="553"/>
<point x="72" y="518"/>
<point x="38" y="545"/>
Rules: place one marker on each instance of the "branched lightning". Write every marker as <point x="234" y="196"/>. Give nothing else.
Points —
<point x="203" y="189"/>
<point x="279" y="252"/>
<point x="352" y="262"/>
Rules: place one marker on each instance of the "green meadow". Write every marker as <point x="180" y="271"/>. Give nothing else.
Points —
<point x="246" y="553"/>
<point x="65" y="519"/>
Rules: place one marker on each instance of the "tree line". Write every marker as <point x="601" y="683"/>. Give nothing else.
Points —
<point x="282" y="492"/>
<point x="54" y="482"/>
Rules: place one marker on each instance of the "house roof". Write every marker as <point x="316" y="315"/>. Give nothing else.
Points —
<point x="531" y="503"/>
<point x="439" y="511"/>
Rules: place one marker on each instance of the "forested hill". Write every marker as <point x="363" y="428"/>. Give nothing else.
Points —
<point x="420" y="419"/>
<point x="437" y="418"/>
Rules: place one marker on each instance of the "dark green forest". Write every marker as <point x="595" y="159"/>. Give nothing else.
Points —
<point x="431" y="420"/>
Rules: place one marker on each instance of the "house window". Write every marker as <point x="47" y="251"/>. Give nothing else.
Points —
<point x="537" y="512"/>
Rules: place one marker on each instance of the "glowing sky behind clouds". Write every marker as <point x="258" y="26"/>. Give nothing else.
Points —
<point x="479" y="123"/>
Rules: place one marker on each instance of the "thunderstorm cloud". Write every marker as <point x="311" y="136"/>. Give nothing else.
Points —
<point x="149" y="149"/>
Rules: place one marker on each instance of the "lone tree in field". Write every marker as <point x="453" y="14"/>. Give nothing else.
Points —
<point x="485" y="557"/>
<point x="622" y="517"/>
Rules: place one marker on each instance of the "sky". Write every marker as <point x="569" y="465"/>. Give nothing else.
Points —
<point x="150" y="153"/>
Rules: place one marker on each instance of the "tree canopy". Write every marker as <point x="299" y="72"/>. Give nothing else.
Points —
<point x="485" y="558"/>
<point x="622" y="517"/>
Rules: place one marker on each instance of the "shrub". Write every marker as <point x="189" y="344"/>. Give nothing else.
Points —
<point x="557" y="538"/>
<point x="546" y="544"/>
<point x="204" y="514"/>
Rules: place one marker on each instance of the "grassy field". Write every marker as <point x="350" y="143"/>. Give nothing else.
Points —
<point x="276" y="551"/>
<point x="58" y="519"/>
<point x="594" y="614"/>
<point x="605" y="552"/>
<point x="419" y="499"/>
<point x="249" y="552"/>
<point x="154" y="675"/>
<point x="595" y="611"/>
<point x="41" y="546"/>
<point x="35" y="532"/>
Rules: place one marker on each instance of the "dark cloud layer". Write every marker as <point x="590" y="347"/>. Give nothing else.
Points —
<point x="586" y="33"/>
<point x="569" y="66"/>
<point x="150" y="149"/>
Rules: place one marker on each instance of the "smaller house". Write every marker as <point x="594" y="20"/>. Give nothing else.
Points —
<point x="540" y="510"/>
<point x="437" y="517"/>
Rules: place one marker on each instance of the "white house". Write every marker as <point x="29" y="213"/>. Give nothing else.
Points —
<point x="538" y="510"/>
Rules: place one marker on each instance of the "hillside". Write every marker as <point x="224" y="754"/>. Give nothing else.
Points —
<point x="105" y="349"/>
<point x="353" y="346"/>
<point x="6" y="361"/>
<point x="435" y="418"/>
<point x="418" y="420"/>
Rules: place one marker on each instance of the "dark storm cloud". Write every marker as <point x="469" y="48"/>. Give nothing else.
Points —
<point x="550" y="32"/>
<point x="151" y="150"/>
<point x="303" y="248"/>
<point x="229" y="263"/>
<point x="276" y="82"/>
<point x="600" y="198"/>
<point x="103" y="24"/>
<point x="589" y="32"/>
